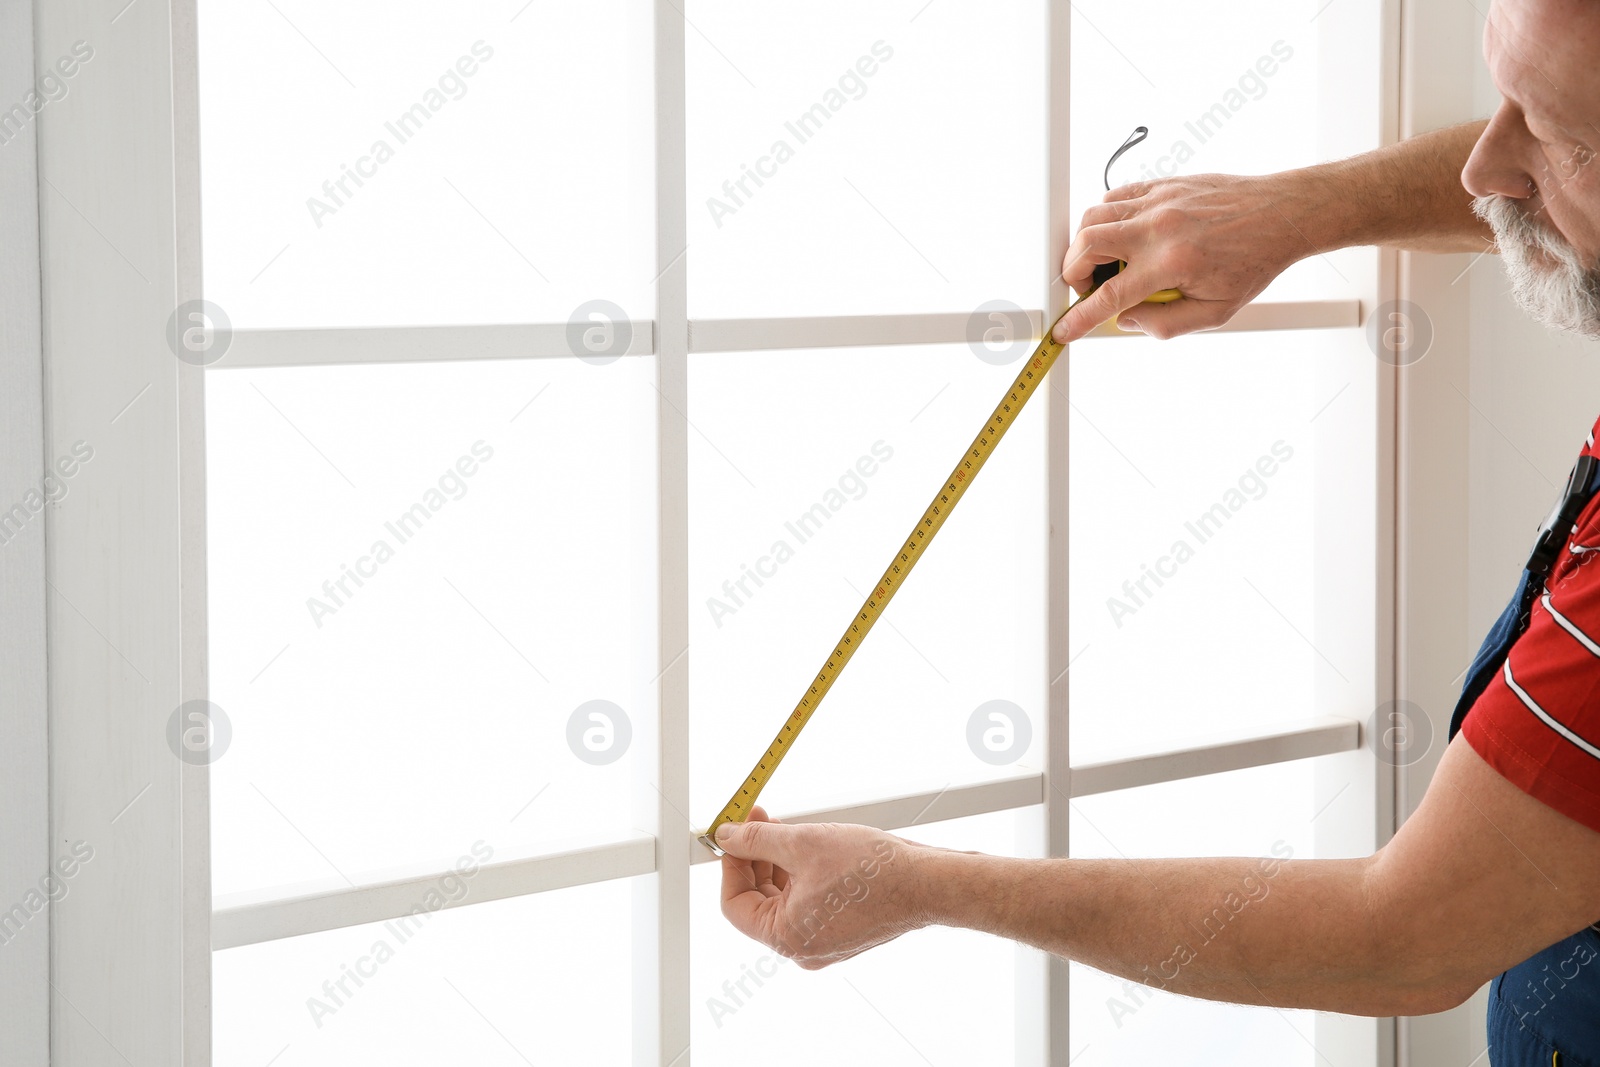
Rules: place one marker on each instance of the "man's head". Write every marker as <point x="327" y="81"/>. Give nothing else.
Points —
<point x="1535" y="172"/>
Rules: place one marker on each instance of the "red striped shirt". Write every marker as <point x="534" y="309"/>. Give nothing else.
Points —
<point x="1538" y="722"/>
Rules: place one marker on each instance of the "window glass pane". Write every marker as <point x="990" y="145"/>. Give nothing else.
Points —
<point x="1233" y="94"/>
<point x="1261" y="812"/>
<point x="864" y="158"/>
<point x="420" y="577"/>
<point x="935" y="996"/>
<point x="1198" y="530"/>
<point x="368" y="163"/>
<point x="807" y="472"/>
<point x="539" y="979"/>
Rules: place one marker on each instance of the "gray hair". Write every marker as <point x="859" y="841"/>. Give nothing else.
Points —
<point x="1560" y="290"/>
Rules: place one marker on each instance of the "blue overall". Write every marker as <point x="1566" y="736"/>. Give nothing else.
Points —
<point x="1545" y="1011"/>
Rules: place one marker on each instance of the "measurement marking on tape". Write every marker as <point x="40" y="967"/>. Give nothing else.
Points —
<point x="950" y="494"/>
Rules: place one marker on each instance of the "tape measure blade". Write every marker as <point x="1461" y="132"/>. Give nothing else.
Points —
<point x="861" y="624"/>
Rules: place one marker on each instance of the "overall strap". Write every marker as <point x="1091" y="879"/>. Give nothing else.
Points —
<point x="1582" y="485"/>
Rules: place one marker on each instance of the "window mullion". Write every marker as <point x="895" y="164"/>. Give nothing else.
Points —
<point x="1053" y="1001"/>
<point x="661" y="913"/>
<point x="194" y="664"/>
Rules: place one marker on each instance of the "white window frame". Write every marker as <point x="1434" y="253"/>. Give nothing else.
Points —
<point x="133" y="940"/>
<point x="25" y="847"/>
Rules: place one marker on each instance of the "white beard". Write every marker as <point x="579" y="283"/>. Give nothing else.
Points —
<point x="1560" y="291"/>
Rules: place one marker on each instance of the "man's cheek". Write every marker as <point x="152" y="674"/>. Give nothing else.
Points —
<point x="1567" y="167"/>
<point x="1580" y="158"/>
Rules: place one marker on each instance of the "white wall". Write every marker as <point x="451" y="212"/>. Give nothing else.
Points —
<point x="1434" y="637"/>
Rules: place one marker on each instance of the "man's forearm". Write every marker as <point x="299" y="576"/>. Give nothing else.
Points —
<point x="1297" y="933"/>
<point x="1222" y="239"/>
<point x="1407" y="195"/>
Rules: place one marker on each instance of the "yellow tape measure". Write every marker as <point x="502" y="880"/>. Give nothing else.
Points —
<point x="1163" y="296"/>
<point x="983" y="446"/>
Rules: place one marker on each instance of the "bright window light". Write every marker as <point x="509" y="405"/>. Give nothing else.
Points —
<point x="817" y="493"/>
<point x="898" y="158"/>
<point x="374" y="164"/>
<point x="416" y="582"/>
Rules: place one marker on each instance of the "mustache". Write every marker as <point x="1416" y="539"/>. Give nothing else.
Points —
<point x="1510" y="220"/>
<point x="1561" y="291"/>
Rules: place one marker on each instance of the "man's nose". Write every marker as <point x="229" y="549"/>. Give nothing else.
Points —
<point x="1497" y="165"/>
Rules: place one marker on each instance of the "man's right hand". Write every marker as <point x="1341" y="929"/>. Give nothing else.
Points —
<point x="1218" y="239"/>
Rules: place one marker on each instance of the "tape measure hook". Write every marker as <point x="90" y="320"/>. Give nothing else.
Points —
<point x="1139" y="134"/>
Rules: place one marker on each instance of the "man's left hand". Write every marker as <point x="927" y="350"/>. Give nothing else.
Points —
<point x="818" y="893"/>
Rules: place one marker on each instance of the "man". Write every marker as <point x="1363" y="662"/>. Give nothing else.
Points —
<point x="1500" y="866"/>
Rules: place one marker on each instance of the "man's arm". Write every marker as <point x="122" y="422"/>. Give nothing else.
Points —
<point x="1221" y="239"/>
<point x="1480" y="878"/>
